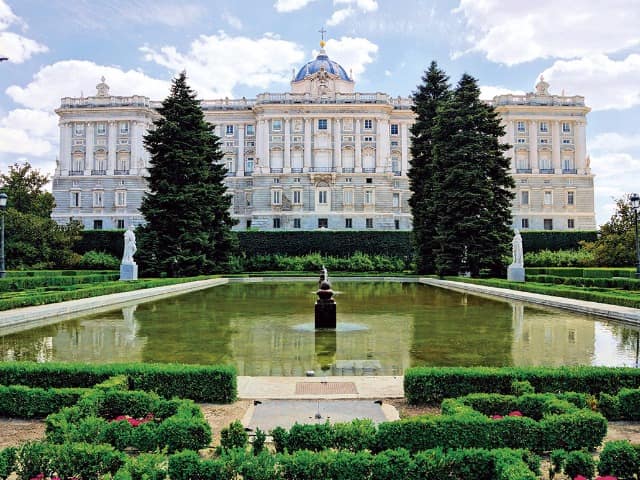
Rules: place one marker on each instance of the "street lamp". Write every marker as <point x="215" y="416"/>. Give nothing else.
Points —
<point x="634" y="198"/>
<point x="3" y="206"/>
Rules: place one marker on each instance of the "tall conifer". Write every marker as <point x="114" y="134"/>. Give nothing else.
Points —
<point x="433" y="90"/>
<point x="186" y="208"/>
<point x="472" y="194"/>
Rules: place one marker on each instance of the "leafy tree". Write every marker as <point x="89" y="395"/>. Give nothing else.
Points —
<point x="472" y="187"/>
<point x="32" y="238"/>
<point x="24" y="187"/>
<point x="426" y="99"/>
<point x="616" y="246"/>
<point x="188" y="229"/>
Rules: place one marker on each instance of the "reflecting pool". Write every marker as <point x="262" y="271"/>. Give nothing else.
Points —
<point x="383" y="328"/>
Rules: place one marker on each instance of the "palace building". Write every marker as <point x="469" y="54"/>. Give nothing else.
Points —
<point x="319" y="156"/>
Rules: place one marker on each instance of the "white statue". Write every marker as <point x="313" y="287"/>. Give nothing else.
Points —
<point x="518" y="255"/>
<point x="129" y="247"/>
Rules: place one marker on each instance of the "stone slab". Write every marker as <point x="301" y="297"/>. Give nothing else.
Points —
<point x="515" y="273"/>
<point x="128" y="271"/>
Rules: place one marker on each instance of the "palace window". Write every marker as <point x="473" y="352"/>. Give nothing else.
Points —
<point x="124" y="128"/>
<point x="524" y="223"/>
<point x="322" y="197"/>
<point x="570" y="198"/>
<point x="566" y="141"/>
<point x="544" y="127"/>
<point x="566" y="127"/>
<point x="98" y="198"/>
<point x="348" y="180"/>
<point x="369" y="222"/>
<point x="296" y="179"/>
<point x="521" y="127"/>
<point x="369" y="180"/>
<point x="297" y="197"/>
<point x="276" y="125"/>
<point x="276" y="180"/>
<point x="296" y="223"/>
<point x="348" y="223"/>
<point x="394" y="129"/>
<point x="544" y="140"/>
<point x="368" y="197"/>
<point x="78" y="129"/>
<point x="348" y="196"/>
<point x="396" y="223"/>
<point x="396" y="200"/>
<point x="228" y="130"/>
<point x="120" y="223"/>
<point x="248" y="224"/>
<point x="276" y="223"/>
<point x="75" y="199"/>
<point x="548" y="197"/>
<point x="323" y="223"/>
<point x="524" y="198"/>
<point x="548" y="223"/>
<point x="248" y="199"/>
<point x="276" y="197"/>
<point x="322" y="124"/>
<point x="368" y="124"/>
<point x="368" y="139"/>
<point x="249" y="164"/>
<point x="251" y="130"/>
<point x="121" y="198"/>
<point x="571" y="223"/>
<point x="522" y="140"/>
<point x="101" y="129"/>
<point x="97" y="224"/>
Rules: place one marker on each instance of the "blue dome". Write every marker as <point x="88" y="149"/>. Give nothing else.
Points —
<point x="322" y="61"/>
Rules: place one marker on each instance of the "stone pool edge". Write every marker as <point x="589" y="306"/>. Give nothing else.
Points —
<point x="613" y="312"/>
<point x="55" y="312"/>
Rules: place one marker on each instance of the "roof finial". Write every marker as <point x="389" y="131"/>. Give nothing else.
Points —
<point x="322" y="31"/>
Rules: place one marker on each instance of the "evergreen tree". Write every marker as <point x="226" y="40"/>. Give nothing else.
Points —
<point x="472" y="186"/>
<point x="188" y="229"/>
<point x="426" y="99"/>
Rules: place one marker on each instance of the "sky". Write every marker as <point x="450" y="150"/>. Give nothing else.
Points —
<point x="60" y="48"/>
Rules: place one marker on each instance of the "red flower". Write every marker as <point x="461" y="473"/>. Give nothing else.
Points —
<point x="607" y="477"/>
<point x="515" y="413"/>
<point x="496" y="417"/>
<point x="579" y="477"/>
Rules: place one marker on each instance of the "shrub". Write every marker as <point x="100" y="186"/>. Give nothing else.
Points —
<point x="93" y="260"/>
<point x="180" y="432"/>
<point x="392" y="465"/>
<point x="7" y="461"/>
<point x="25" y="402"/>
<point x="557" y="458"/>
<point x="146" y="466"/>
<point x="523" y="387"/>
<point x="579" y="462"/>
<point x="559" y="258"/>
<point x="620" y="459"/>
<point x="258" y="441"/>
<point x="233" y="436"/>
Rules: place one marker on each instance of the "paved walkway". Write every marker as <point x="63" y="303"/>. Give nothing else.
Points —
<point x="615" y="312"/>
<point x="329" y="388"/>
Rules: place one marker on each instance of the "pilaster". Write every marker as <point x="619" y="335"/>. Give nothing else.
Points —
<point x="89" y="143"/>
<point x="240" y="156"/>
<point x="112" y="145"/>
<point x="307" y="145"/>
<point x="358" y="154"/>
<point x="533" y="146"/>
<point x="337" y="146"/>
<point x="581" y="145"/>
<point x="287" y="146"/>
<point x="404" y="138"/>
<point x="555" y="146"/>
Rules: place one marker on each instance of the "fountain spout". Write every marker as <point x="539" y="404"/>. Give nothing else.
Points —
<point x="325" y="273"/>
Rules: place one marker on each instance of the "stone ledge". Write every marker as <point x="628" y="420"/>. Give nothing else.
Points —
<point x="614" y="312"/>
<point x="56" y="312"/>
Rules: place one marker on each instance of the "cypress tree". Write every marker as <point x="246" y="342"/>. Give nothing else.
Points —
<point x="186" y="208"/>
<point x="473" y="189"/>
<point x="433" y="90"/>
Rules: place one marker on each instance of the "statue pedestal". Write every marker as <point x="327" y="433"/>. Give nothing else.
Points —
<point x="515" y="273"/>
<point x="128" y="271"/>
<point x="325" y="314"/>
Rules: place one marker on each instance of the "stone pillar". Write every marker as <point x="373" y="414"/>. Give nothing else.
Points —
<point x="404" y="138"/>
<point x="89" y="142"/>
<point x="533" y="146"/>
<point x="510" y="138"/>
<point x="240" y="155"/>
<point x="266" y="146"/>
<point x="136" y="147"/>
<point x="287" y="146"/>
<point x="307" y="145"/>
<point x="555" y="146"/>
<point x="65" y="147"/>
<point x="337" y="146"/>
<point x="358" y="153"/>
<point x="581" y="145"/>
<point x="112" y="143"/>
<point x="382" y="146"/>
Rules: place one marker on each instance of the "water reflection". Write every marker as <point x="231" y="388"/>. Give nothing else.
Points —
<point x="253" y="326"/>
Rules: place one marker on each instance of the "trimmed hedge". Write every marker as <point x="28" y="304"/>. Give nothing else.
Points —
<point x="433" y="384"/>
<point x="615" y="282"/>
<point x="583" y="272"/>
<point x="13" y="284"/>
<point x="109" y="241"/>
<point x="470" y="464"/>
<point x="534" y="241"/>
<point x="17" y="401"/>
<point x="200" y="383"/>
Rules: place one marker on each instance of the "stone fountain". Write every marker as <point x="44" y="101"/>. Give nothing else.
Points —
<point x="325" y="305"/>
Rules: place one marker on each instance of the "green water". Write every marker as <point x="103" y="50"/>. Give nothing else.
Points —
<point x="384" y="328"/>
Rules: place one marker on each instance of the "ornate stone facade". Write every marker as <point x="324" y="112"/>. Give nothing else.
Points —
<point x="319" y="156"/>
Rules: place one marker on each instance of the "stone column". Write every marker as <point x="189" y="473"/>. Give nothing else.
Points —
<point x="89" y="143"/>
<point x="266" y="145"/>
<point x="65" y="147"/>
<point x="240" y="155"/>
<point x="287" y="146"/>
<point x="337" y="146"/>
<point x="136" y="144"/>
<point x="307" y="145"/>
<point x="112" y="143"/>
<point x="358" y="153"/>
<point x="533" y="146"/>
<point x="555" y="146"/>
<point x="382" y="146"/>
<point x="509" y="138"/>
<point x="581" y="145"/>
<point x="404" y="138"/>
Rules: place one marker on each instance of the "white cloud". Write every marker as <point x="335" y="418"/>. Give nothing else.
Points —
<point x="17" y="48"/>
<point x="507" y="33"/>
<point x="487" y="92"/>
<point x="35" y="122"/>
<point x="70" y="78"/>
<point x="171" y="14"/>
<point x="364" y="5"/>
<point x="16" y="141"/>
<point x="232" y="20"/>
<point x="340" y="16"/>
<point x="614" y="142"/>
<point x="283" y="6"/>
<point x="214" y="69"/>
<point x="388" y="73"/>
<point x="352" y="53"/>
<point x="605" y="83"/>
<point x="616" y="175"/>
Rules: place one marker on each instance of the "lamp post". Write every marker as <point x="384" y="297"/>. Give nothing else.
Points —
<point x="3" y="206"/>
<point x="634" y="198"/>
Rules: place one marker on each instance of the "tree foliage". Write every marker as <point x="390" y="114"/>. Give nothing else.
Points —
<point x="32" y="238"/>
<point x="465" y="205"/>
<point x="426" y="99"/>
<point x="188" y="229"/>
<point x="616" y="246"/>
